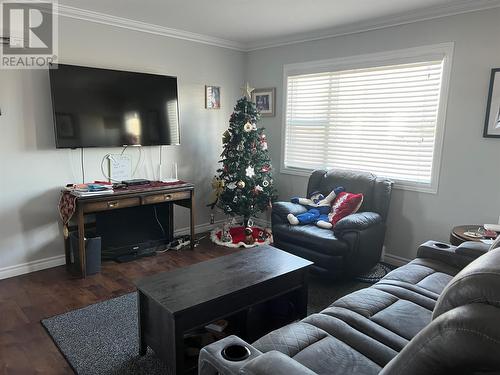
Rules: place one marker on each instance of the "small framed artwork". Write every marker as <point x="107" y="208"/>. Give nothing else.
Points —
<point x="264" y="100"/>
<point x="212" y="97"/>
<point x="492" y="122"/>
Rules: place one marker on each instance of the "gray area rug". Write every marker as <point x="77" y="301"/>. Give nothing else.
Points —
<point x="103" y="338"/>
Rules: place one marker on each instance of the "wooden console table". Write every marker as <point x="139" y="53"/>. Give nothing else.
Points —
<point x="180" y="194"/>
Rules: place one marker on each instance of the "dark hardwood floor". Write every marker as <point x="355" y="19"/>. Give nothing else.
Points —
<point x="26" y="348"/>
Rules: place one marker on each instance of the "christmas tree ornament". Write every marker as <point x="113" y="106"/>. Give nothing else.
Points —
<point x="226" y="235"/>
<point x="226" y="136"/>
<point x="250" y="222"/>
<point x="254" y="126"/>
<point x="248" y="127"/>
<point x="265" y="168"/>
<point x="249" y="240"/>
<point x="263" y="146"/>
<point x="218" y="188"/>
<point x="250" y="171"/>
<point x="258" y="189"/>
<point x="247" y="91"/>
<point x="241" y="184"/>
<point x="265" y="183"/>
<point x="231" y="185"/>
<point x="235" y="199"/>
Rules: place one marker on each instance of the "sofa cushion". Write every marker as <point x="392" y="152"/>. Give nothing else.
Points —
<point x="321" y="240"/>
<point x="424" y="276"/>
<point x="316" y="349"/>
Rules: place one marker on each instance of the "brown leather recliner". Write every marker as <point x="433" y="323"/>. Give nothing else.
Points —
<point x="426" y="317"/>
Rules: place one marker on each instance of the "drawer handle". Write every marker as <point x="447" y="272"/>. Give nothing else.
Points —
<point x="167" y="197"/>
<point x="112" y="204"/>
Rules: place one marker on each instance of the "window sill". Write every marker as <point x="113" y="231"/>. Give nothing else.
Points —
<point x="399" y="185"/>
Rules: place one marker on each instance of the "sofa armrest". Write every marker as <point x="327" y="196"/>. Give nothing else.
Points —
<point x="211" y="360"/>
<point x="472" y="249"/>
<point x="282" y="209"/>
<point x="275" y="363"/>
<point x="357" y="222"/>
<point x="444" y="253"/>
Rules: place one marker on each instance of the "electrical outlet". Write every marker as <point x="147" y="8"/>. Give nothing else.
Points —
<point x="212" y="219"/>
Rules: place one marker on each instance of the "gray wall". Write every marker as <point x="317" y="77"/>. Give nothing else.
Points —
<point x="32" y="171"/>
<point x="470" y="174"/>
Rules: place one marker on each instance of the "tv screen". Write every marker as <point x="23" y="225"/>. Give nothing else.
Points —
<point x="111" y="108"/>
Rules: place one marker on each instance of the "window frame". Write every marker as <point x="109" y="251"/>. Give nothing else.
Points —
<point x="402" y="56"/>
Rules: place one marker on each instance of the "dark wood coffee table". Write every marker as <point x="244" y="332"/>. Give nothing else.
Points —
<point x="173" y="303"/>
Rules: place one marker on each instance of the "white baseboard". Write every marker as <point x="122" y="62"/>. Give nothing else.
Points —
<point x="395" y="260"/>
<point x="200" y="228"/>
<point x="36" y="265"/>
<point x="59" y="260"/>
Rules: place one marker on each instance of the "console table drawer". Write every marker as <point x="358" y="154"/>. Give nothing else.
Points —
<point x="111" y="204"/>
<point x="167" y="197"/>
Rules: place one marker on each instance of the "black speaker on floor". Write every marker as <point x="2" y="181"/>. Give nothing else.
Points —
<point x="92" y="252"/>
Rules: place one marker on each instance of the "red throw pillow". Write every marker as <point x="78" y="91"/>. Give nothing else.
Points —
<point x="345" y="204"/>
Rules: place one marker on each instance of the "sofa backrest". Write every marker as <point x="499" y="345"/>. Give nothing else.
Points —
<point x="478" y="282"/>
<point x="376" y="190"/>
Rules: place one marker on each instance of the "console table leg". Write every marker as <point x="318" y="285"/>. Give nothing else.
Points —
<point x="192" y="220"/>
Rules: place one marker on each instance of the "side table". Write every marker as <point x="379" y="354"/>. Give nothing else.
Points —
<point x="457" y="235"/>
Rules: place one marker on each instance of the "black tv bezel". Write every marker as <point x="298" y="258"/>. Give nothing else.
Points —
<point x="56" y="138"/>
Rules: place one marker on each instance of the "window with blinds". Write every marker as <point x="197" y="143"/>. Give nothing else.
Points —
<point x="381" y="119"/>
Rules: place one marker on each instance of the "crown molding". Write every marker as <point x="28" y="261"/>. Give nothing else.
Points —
<point x="462" y="7"/>
<point x="126" y="23"/>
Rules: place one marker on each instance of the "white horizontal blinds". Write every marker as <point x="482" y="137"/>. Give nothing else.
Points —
<point x="381" y="120"/>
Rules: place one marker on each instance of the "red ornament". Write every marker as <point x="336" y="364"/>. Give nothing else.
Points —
<point x="266" y="168"/>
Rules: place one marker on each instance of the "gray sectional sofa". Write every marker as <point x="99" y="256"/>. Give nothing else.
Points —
<point x="439" y="314"/>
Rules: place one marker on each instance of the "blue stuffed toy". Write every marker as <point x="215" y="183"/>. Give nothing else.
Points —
<point x="318" y="206"/>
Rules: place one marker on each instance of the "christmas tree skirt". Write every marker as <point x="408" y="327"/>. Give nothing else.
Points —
<point x="260" y="235"/>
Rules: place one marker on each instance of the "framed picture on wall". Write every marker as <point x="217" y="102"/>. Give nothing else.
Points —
<point x="492" y="122"/>
<point x="212" y="97"/>
<point x="264" y="100"/>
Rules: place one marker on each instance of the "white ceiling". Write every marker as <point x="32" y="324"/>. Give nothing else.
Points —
<point x="254" y="23"/>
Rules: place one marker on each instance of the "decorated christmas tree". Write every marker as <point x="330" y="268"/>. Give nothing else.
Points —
<point x="244" y="184"/>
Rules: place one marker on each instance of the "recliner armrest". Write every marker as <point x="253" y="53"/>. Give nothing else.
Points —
<point x="357" y="222"/>
<point x="472" y="249"/>
<point x="275" y="363"/>
<point x="282" y="209"/>
<point x="444" y="253"/>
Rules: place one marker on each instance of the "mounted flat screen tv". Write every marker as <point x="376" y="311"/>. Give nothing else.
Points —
<point x="111" y="108"/>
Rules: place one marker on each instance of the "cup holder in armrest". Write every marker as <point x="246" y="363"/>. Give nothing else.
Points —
<point x="442" y="245"/>
<point x="235" y="353"/>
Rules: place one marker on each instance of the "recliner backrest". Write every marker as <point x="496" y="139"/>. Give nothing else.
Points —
<point x="464" y="334"/>
<point x="376" y="190"/>
<point x="478" y="282"/>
